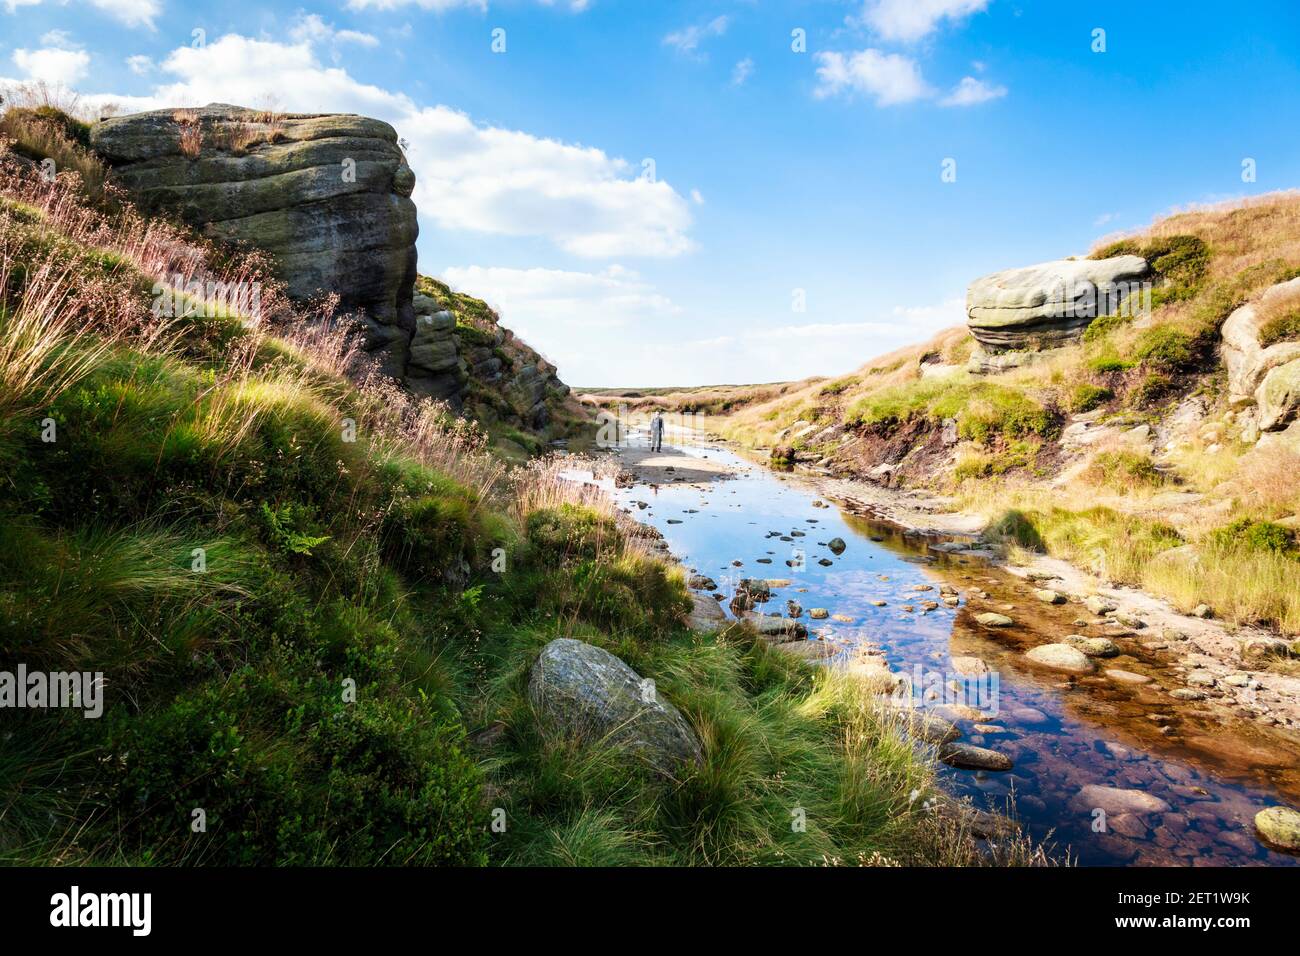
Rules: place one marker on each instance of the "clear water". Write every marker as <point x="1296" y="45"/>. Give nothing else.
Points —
<point x="1062" y="734"/>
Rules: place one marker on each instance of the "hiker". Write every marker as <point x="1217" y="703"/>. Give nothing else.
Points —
<point x="657" y="432"/>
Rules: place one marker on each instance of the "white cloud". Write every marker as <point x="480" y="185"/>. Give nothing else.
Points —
<point x="742" y="71"/>
<point x="140" y="64"/>
<point x="889" y="78"/>
<point x="909" y="20"/>
<point x="920" y="320"/>
<point x="689" y="39"/>
<point x="134" y="13"/>
<point x="53" y="65"/>
<point x="310" y="27"/>
<point x="468" y="176"/>
<point x="596" y="321"/>
<point x="60" y="38"/>
<point x="971" y="91"/>
<point x="441" y="6"/>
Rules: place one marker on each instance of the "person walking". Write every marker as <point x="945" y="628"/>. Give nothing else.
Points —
<point x="657" y="432"/>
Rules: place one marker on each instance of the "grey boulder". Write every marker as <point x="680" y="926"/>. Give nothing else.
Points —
<point x="592" y="695"/>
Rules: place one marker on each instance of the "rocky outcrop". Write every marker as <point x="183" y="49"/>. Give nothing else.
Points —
<point x="328" y="196"/>
<point x="434" y="366"/>
<point x="590" y="694"/>
<point x="1267" y="377"/>
<point x="504" y="380"/>
<point x="1047" y="305"/>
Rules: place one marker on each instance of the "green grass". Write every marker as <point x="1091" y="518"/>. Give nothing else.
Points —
<point x="1284" y="328"/>
<point x="1124" y="470"/>
<point x="1086" y="396"/>
<point x="984" y="411"/>
<point x="301" y="634"/>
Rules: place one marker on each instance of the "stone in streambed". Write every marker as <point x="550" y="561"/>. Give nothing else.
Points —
<point x="1061" y="657"/>
<point x="993" y="619"/>
<point x="1279" y="827"/>
<point x="1093" y="646"/>
<point x="1099" y="605"/>
<point x="970" y="757"/>
<point x="836" y="545"/>
<point x="1116" y="800"/>
<point x="1048" y="596"/>
<point x="1126" y="677"/>
<point x="705" y="615"/>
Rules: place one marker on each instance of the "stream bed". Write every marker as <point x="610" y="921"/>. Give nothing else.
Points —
<point x="1198" y="782"/>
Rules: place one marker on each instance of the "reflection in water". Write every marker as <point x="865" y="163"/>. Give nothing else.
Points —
<point x="1191" y="789"/>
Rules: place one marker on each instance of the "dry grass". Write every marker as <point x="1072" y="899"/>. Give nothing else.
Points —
<point x="43" y="348"/>
<point x="190" y="133"/>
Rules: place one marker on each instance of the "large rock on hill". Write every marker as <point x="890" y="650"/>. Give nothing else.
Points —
<point x="505" y="380"/>
<point x="1050" y="304"/>
<point x="1268" y="377"/>
<point x="592" y="695"/>
<point x="327" y="195"/>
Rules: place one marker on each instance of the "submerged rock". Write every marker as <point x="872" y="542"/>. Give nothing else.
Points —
<point x="1061" y="657"/>
<point x="993" y="619"/>
<point x="1115" y="800"/>
<point x="1093" y="646"/>
<point x="970" y="757"/>
<point x="591" y="694"/>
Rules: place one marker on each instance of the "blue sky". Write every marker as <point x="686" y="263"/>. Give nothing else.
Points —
<point x="777" y="176"/>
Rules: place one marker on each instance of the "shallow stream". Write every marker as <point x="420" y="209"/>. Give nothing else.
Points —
<point x="1063" y="733"/>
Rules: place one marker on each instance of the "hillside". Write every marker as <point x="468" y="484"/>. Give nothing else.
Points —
<point x="1157" y="448"/>
<point x="322" y="621"/>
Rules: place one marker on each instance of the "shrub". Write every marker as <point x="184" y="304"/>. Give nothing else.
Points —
<point x="1123" y="469"/>
<point x="427" y="536"/>
<point x="1151" y="389"/>
<point x="287" y="773"/>
<point x="1252" y="535"/>
<point x="1103" y="325"/>
<point x="1165" y="349"/>
<point x="998" y="411"/>
<point x="838" y="386"/>
<point x="1103" y="364"/>
<point x="1086" y="397"/>
<point x="570" y="532"/>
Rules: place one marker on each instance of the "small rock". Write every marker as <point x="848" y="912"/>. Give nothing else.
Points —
<point x="970" y="757"/>
<point x="1279" y="827"/>
<point x="1048" y="596"/>
<point x="1099" y="605"/>
<point x="992" y="619"/>
<point x="1061" y="657"/>
<point x="818" y="613"/>
<point x="969" y="665"/>
<point x="836" y="545"/>
<point x="1093" y="646"/>
<point x="1126" y="677"/>
<point x="1117" y="800"/>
